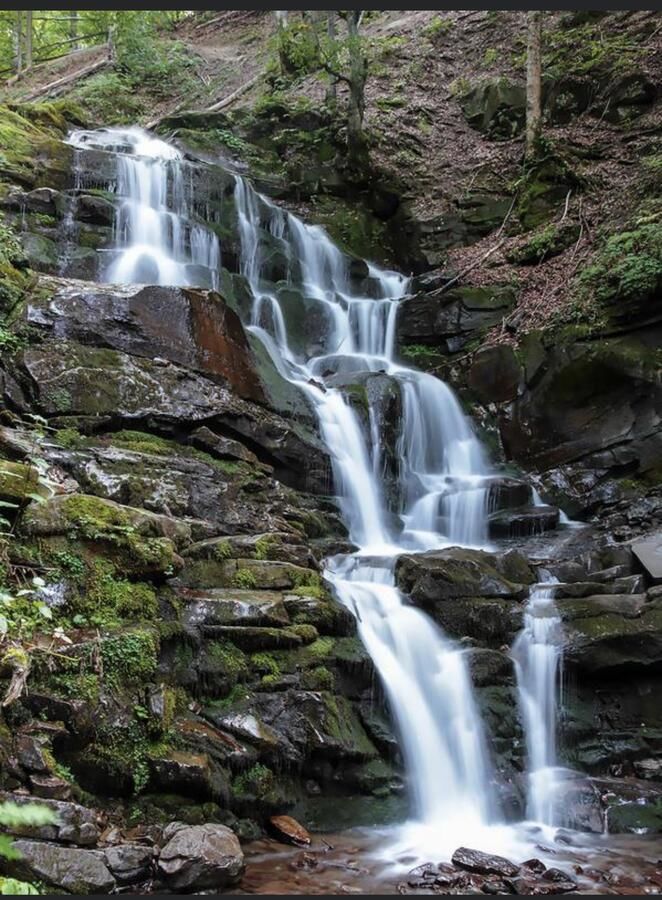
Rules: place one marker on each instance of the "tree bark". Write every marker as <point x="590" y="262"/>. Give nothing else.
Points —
<point x="358" y="73"/>
<point x="533" y="81"/>
<point x="73" y="28"/>
<point x="18" y="41"/>
<point x="28" y="38"/>
<point x="332" y="88"/>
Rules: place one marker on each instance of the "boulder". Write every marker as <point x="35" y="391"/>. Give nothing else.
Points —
<point x="495" y="106"/>
<point x="612" y="632"/>
<point x="199" y="858"/>
<point x="67" y="869"/>
<point x="76" y="824"/>
<point x="130" y="863"/>
<point x="289" y="831"/>
<point x="450" y="319"/>
<point x="522" y="522"/>
<point x="190" y="328"/>
<point x="453" y="573"/>
<point x="483" y="863"/>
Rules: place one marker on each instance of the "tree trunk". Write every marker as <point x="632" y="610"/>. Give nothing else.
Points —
<point x="18" y="42"/>
<point x="358" y="69"/>
<point x="533" y="81"/>
<point x="28" y="38"/>
<point x="73" y="29"/>
<point x="331" y="91"/>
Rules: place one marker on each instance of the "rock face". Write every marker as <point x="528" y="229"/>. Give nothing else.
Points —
<point x="199" y="858"/>
<point x="449" y="320"/>
<point x="191" y="328"/>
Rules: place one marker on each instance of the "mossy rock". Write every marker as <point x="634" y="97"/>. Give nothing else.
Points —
<point x="138" y="542"/>
<point x="497" y="107"/>
<point x="19" y="482"/>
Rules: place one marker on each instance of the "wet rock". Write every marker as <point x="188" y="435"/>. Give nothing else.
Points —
<point x="207" y="609"/>
<point x="612" y="632"/>
<point x="292" y="725"/>
<point x="289" y="830"/>
<point x="522" y="522"/>
<point x="50" y="787"/>
<point x="30" y="754"/>
<point x="65" y="868"/>
<point x="648" y="769"/>
<point x="76" y="824"/>
<point x="439" y="575"/>
<point x="483" y="863"/>
<point x="74" y="379"/>
<point x="189" y="327"/>
<point x="130" y="863"/>
<point x="199" y="858"/>
<point x="448" y="320"/>
<point x="540" y="887"/>
<point x="489" y="667"/>
<point x="183" y="773"/>
<point x="220" y="446"/>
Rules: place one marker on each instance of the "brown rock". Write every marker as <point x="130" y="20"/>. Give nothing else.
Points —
<point x="51" y="787"/>
<point x="483" y="863"/>
<point x="290" y="831"/>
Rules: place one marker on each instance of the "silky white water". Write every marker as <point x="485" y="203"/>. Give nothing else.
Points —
<point x="158" y="239"/>
<point x="537" y="655"/>
<point x="440" y="493"/>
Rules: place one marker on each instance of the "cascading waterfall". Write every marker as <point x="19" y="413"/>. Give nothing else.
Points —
<point x="443" y="476"/>
<point x="158" y="239"/>
<point x="537" y="655"/>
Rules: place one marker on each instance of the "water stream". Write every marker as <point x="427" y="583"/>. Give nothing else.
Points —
<point x="439" y="497"/>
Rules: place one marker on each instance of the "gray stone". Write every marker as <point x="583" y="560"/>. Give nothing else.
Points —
<point x="199" y="858"/>
<point x="649" y="554"/>
<point x="130" y="863"/>
<point x="66" y="868"/>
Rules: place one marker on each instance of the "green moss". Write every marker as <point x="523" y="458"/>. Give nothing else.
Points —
<point x="144" y="442"/>
<point x="264" y="547"/>
<point x="258" y="782"/>
<point x="129" y="660"/>
<point x="244" y="578"/>
<point x="227" y="659"/>
<point x="319" y="679"/>
<point x="96" y="520"/>
<point x="308" y="633"/>
<point x="628" y="266"/>
<point x="70" y="438"/>
<point x="107" y="599"/>
<point x="265" y="664"/>
<point x="223" y="551"/>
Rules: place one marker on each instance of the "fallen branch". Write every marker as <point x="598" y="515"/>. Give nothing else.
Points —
<point x="233" y="96"/>
<point x="226" y="101"/>
<point x="473" y="266"/>
<point x="56" y="87"/>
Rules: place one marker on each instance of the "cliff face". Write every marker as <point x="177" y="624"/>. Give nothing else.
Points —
<point x="172" y="489"/>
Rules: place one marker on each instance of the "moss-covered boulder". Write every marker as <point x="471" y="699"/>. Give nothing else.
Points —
<point x="138" y="541"/>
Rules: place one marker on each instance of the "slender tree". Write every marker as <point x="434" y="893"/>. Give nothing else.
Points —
<point x="28" y="38"/>
<point x="73" y="29"/>
<point x="533" y="81"/>
<point x="18" y="42"/>
<point x="331" y="91"/>
<point x="358" y="74"/>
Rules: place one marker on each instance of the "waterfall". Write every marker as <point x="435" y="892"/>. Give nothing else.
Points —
<point x="158" y="238"/>
<point x="442" y="480"/>
<point x="537" y="655"/>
